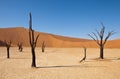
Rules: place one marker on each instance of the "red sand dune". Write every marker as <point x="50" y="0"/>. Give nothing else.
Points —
<point x="20" y="34"/>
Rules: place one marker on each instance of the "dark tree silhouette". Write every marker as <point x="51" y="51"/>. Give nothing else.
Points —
<point x="8" y="45"/>
<point x="2" y="43"/>
<point x="43" y="46"/>
<point x="32" y="41"/>
<point x="83" y="59"/>
<point x="20" y="48"/>
<point x="100" y="38"/>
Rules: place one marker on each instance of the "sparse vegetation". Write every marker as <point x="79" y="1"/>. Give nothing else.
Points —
<point x="8" y="45"/>
<point x="100" y="38"/>
<point x="32" y="41"/>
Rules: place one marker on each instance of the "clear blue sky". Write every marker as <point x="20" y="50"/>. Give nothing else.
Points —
<point x="74" y="18"/>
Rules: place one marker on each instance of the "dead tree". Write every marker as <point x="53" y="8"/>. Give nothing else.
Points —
<point x="43" y="46"/>
<point x="20" y="48"/>
<point x="83" y="59"/>
<point x="100" y="38"/>
<point x="32" y="41"/>
<point x="8" y="45"/>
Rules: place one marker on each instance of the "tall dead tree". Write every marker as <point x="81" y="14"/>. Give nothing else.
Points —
<point x="83" y="59"/>
<point x="32" y="41"/>
<point x="43" y="46"/>
<point x="100" y="38"/>
<point x="20" y="48"/>
<point x="8" y="45"/>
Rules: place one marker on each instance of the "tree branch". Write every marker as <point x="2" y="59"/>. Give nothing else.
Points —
<point x="109" y="34"/>
<point x="94" y="39"/>
<point x="36" y="39"/>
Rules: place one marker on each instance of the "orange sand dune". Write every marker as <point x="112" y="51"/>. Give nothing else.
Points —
<point x="20" y="34"/>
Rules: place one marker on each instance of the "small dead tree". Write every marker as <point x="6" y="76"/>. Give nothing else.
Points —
<point x="8" y="45"/>
<point x="83" y="59"/>
<point x="20" y="48"/>
<point x="32" y="41"/>
<point x="43" y="46"/>
<point x="100" y="38"/>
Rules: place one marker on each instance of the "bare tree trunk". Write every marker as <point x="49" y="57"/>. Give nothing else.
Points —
<point x="101" y="52"/>
<point x="8" y="45"/>
<point x="8" y="55"/>
<point x="33" y="58"/>
<point x="85" y="52"/>
<point x="100" y="38"/>
<point x="43" y="46"/>
<point x="84" y="55"/>
<point x="32" y="41"/>
<point x="20" y="48"/>
<point x="42" y="49"/>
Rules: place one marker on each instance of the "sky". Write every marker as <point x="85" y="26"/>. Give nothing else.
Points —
<point x="73" y="18"/>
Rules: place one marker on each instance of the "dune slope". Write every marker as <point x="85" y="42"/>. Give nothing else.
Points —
<point x="20" y="34"/>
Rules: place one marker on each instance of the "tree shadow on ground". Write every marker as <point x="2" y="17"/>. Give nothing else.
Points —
<point x="18" y="58"/>
<point x="65" y="66"/>
<point x="110" y="59"/>
<point x="118" y="59"/>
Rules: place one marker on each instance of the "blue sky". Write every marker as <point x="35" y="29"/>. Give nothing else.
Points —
<point x="74" y="18"/>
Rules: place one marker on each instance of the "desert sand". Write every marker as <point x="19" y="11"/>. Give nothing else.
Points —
<point x="60" y="63"/>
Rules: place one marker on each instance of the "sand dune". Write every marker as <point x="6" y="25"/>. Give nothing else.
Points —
<point x="20" y="34"/>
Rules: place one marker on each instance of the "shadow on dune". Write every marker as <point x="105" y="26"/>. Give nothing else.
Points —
<point x="69" y="66"/>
